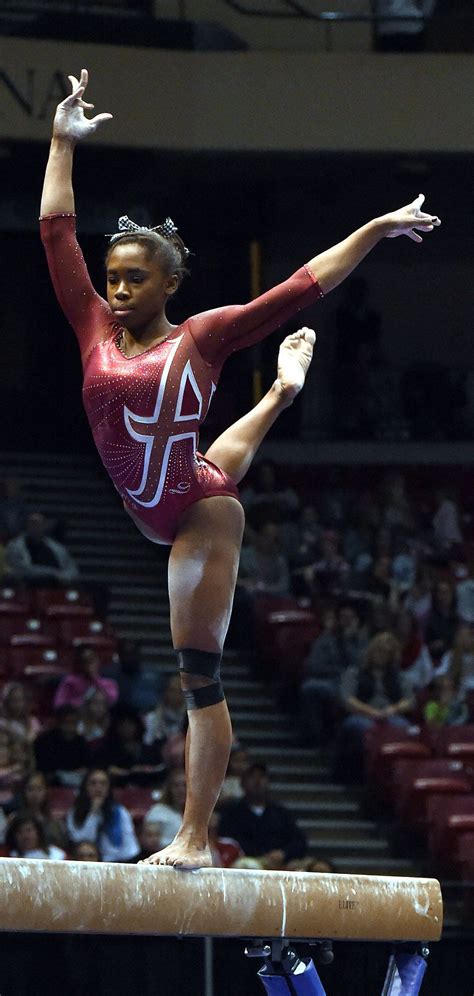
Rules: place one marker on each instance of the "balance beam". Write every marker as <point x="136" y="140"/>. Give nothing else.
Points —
<point x="95" y="898"/>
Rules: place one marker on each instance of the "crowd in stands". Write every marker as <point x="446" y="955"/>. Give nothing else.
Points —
<point x="357" y="607"/>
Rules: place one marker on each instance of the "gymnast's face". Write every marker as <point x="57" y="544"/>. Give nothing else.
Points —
<point x="137" y="286"/>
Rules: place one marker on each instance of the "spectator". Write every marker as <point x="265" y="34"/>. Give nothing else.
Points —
<point x="225" y="850"/>
<point x="85" y="850"/>
<point x="168" y="719"/>
<point x="264" y="829"/>
<point x="139" y="688"/>
<point x="459" y="662"/>
<point x="446" y="525"/>
<point x="419" y="598"/>
<point x="374" y="691"/>
<point x="465" y="596"/>
<point x="397" y="512"/>
<point x="239" y="761"/>
<point x="301" y="546"/>
<point x="168" y="812"/>
<point x="127" y="759"/>
<point x="61" y="752"/>
<point x="13" y="511"/>
<point x="86" y="675"/>
<point x="25" y="838"/>
<point x="12" y="771"/>
<point x="266" y="493"/>
<point x="96" y="816"/>
<point x="446" y="704"/>
<point x="35" y="558"/>
<point x="16" y="711"/>
<point x="442" y="621"/>
<point x="329" y="573"/>
<point x="263" y="566"/>
<point x="340" y="645"/>
<point x="33" y="799"/>
<point x="94" y="719"/>
<point x="149" y="838"/>
<point x="415" y="660"/>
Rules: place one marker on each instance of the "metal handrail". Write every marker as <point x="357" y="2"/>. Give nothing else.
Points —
<point x="297" y="10"/>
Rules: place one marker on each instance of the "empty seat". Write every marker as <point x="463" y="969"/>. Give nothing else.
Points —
<point x="456" y="742"/>
<point x="137" y="800"/>
<point x="417" y="780"/>
<point x="29" y="650"/>
<point x="44" y="598"/>
<point x="447" y="817"/>
<point x="61" y="799"/>
<point x="66" y="622"/>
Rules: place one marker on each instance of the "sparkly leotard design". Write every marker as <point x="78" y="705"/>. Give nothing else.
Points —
<point x="145" y="411"/>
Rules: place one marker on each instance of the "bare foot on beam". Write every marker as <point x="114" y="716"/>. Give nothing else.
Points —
<point x="187" y="855"/>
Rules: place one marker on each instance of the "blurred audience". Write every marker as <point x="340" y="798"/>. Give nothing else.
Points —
<point x="85" y="850"/>
<point x="168" y="718"/>
<point x="61" y="752"/>
<point x="167" y="813"/>
<point x="264" y="829"/>
<point x="263" y="565"/>
<point x="96" y="816"/>
<point x="33" y="557"/>
<point x="25" y="838"/>
<point x="16" y="713"/>
<point x="34" y="799"/>
<point x="374" y="691"/>
<point x="86" y="676"/>
<point x="140" y="688"/>
<point x="128" y="760"/>
<point x="446" y="704"/>
<point x="459" y="661"/>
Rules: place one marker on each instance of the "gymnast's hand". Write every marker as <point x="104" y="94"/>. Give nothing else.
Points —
<point x="407" y="219"/>
<point x="70" y="121"/>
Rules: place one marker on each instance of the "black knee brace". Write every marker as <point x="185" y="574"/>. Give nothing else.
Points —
<point x="202" y="663"/>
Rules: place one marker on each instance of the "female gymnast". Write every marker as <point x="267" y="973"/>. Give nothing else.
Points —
<point x="147" y="387"/>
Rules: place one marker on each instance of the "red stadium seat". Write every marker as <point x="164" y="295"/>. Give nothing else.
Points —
<point x="44" y="598"/>
<point x="456" y="742"/>
<point x="13" y="617"/>
<point x="29" y="650"/>
<point x="417" y="780"/>
<point x="380" y="776"/>
<point x="66" y="622"/>
<point x="447" y="817"/>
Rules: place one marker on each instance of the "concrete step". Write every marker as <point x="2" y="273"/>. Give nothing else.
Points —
<point x="350" y="847"/>
<point x="366" y="865"/>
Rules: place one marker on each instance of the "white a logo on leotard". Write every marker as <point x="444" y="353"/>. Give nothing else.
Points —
<point x="150" y="422"/>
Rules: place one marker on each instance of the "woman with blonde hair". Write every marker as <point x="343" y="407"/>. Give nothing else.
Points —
<point x="459" y="661"/>
<point x="375" y="691"/>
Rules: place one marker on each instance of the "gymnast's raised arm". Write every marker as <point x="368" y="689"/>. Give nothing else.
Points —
<point x="70" y="126"/>
<point x="333" y="265"/>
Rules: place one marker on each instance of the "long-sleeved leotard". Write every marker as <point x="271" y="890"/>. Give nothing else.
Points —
<point x="145" y="411"/>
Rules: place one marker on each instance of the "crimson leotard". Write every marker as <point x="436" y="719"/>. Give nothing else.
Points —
<point x="145" y="411"/>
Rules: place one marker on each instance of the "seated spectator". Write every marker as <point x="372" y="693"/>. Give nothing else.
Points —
<point x="396" y="507"/>
<point x="340" y="645"/>
<point x="446" y="704"/>
<point x="33" y="557"/>
<point x="96" y="816"/>
<point x="85" y="850"/>
<point x="263" y="566"/>
<point x="149" y="838"/>
<point x="265" y="830"/>
<point x="94" y="719"/>
<point x="169" y="716"/>
<point x="266" y="492"/>
<point x="329" y="572"/>
<point x="442" y="621"/>
<point x="465" y="596"/>
<point x="61" y="752"/>
<point x="374" y="691"/>
<point x="239" y="761"/>
<point x="25" y="838"/>
<point x="12" y="771"/>
<point x="378" y="583"/>
<point x="139" y="688"/>
<point x="415" y="660"/>
<point x="419" y="599"/>
<point x="459" y="662"/>
<point x="33" y="799"/>
<point x="315" y="865"/>
<point x="225" y="850"/>
<point x="16" y="711"/>
<point x="168" y="812"/>
<point x="446" y="525"/>
<point x="128" y="760"/>
<point x="306" y="538"/>
<point x="13" y="511"/>
<point x="86" y="675"/>
<point x="404" y="563"/>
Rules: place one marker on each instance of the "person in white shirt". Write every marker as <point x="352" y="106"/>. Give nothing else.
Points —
<point x="95" y="816"/>
<point x="167" y="813"/>
<point x="459" y="662"/>
<point x="25" y="838"/>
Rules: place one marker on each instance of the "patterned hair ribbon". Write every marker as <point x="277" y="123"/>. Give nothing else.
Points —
<point x="167" y="230"/>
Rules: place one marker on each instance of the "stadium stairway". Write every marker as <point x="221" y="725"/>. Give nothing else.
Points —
<point x="108" y="549"/>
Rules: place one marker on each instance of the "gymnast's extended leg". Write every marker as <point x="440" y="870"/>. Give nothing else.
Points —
<point x="203" y="569"/>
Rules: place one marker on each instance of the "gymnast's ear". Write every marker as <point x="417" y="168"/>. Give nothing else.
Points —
<point x="172" y="285"/>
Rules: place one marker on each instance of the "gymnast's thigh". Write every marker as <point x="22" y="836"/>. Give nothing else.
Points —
<point x="202" y="572"/>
